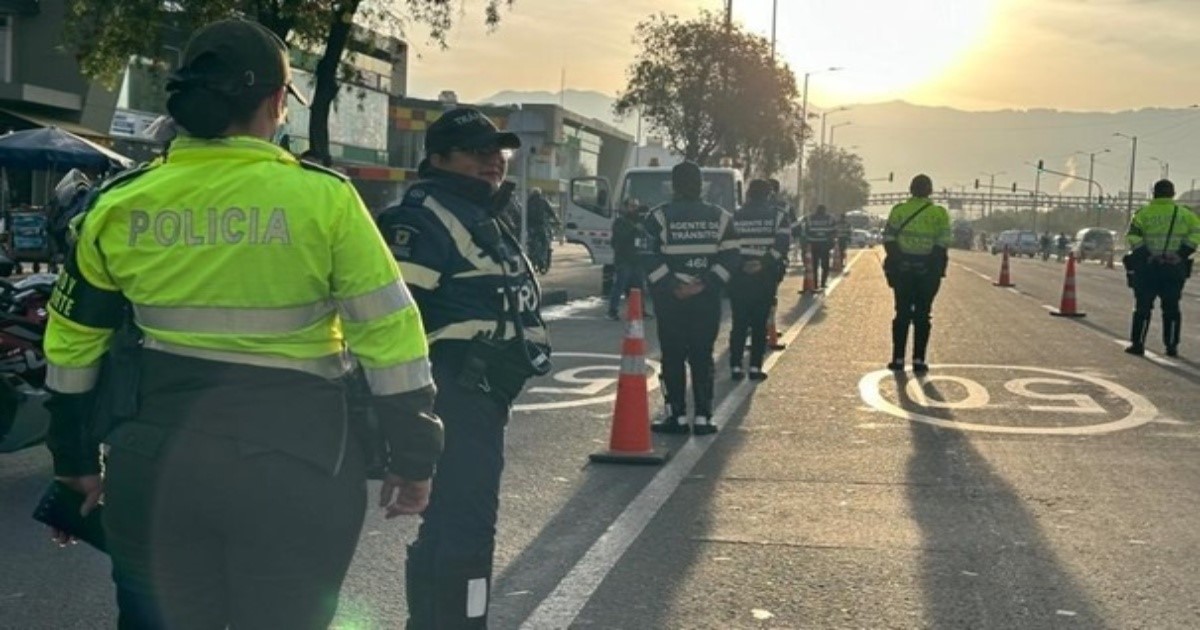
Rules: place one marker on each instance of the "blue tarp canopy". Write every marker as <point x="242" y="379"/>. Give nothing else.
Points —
<point x="51" y="148"/>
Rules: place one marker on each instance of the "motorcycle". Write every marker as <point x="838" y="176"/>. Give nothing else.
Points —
<point x="23" y="314"/>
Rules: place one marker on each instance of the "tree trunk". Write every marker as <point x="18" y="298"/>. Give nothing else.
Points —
<point x="327" y="84"/>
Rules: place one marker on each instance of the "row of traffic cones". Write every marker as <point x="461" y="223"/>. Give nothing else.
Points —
<point x="1068" y="305"/>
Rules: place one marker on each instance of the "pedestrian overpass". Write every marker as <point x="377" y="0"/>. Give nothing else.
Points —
<point x="976" y="204"/>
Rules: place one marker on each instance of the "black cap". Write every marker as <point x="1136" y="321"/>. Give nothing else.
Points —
<point x="921" y="186"/>
<point x="758" y="189"/>
<point x="249" y="56"/>
<point x="467" y="128"/>
<point x="1164" y="189"/>
<point x="687" y="182"/>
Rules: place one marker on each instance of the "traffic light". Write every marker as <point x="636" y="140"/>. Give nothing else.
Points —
<point x="1040" y="163"/>
<point x="891" y="176"/>
<point x="976" y="183"/>
<point x="1014" y="187"/>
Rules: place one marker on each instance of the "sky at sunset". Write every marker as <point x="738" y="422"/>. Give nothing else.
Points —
<point x="1089" y="55"/>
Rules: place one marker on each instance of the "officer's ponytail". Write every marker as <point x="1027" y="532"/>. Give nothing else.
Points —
<point x="202" y="106"/>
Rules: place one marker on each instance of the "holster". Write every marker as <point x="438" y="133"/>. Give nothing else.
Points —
<point x="118" y="388"/>
<point x="364" y="423"/>
<point x="499" y="367"/>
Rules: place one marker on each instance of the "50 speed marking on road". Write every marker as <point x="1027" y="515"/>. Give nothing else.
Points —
<point x="1038" y="397"/>
<point x="580" y="379"/>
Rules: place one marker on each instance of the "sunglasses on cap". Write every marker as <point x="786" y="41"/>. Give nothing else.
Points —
<point x="486" y="152"/>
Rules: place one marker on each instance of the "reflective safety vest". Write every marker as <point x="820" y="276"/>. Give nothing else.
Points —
<point x="690" y="241"/>
<point x="436" y="233"/>
<point x="820" y="228"/>
<point x="1152" y="227"/>
<point x="232" y="250"/>
<point x="763" y="231"/>
<point x="920" y="235"/>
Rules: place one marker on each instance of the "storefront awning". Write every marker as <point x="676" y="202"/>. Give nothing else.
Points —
<point x="42" y="120"/>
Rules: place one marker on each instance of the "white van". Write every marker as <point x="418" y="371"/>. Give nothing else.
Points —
<point x="591" y="208"/>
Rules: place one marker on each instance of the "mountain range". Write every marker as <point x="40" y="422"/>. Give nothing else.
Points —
<point x="956" y="147"/>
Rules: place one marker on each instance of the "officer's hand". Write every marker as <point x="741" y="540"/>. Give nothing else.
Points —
<point x="1171" y="258"/>
<point x="401" y="496"/>
<point x="92" y="488"/>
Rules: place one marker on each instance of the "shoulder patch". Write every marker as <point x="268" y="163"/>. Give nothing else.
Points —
<point x="309" y="166"/>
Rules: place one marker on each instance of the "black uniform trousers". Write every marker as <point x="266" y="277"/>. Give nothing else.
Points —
<point x="206" y="531"/>
<point x="449" y="566"/>
<point x="751" y="297"/>
<point x="1164" y="283"/>
<point x="687" y="331"/>
<point x="821" y="253"/>
<point x="914" y="291"/>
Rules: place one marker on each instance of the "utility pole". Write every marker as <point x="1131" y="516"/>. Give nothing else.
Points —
<point x="1132" y="173"/>
<point x="774" y="14"/>
<point x="1037" y="190"/>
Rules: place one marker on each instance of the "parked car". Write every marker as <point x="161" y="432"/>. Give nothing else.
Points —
<point x="1093" y="243"/>
<point x="1019" y="243"/>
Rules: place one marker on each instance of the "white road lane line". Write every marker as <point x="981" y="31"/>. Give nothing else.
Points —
<point x="563" y="605"/>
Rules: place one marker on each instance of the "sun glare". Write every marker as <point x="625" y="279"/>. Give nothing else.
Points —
<point x="887" y="48"/>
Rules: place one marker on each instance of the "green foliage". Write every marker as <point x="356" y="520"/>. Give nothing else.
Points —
<point x="105" y="34"/>
<point x="714" y="91"/>
<point x="836" y="178"/>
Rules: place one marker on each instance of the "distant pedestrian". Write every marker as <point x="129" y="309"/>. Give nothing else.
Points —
<point x="1162" y="237"/>
<point x="917" y="240"/>
<point x="819" y="230"/>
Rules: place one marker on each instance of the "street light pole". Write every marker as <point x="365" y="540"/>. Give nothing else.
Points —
<point x="774" y="14"/>
<point x="991" y="191"/>
<point x="803" y="126"/>
<point x="833" y="128"/>
<point x="1132" y="173"/>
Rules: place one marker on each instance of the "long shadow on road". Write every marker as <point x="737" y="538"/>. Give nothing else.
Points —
<point x="985" y="562"/>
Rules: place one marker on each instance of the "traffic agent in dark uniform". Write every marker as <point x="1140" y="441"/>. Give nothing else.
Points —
<point x="1162" y="237"/>
<point x="917" y="240"/>
<point x="693" y="251"/>
<point x="480" y="301"/>
<point x="235" y="486"/>
<point x="764" y="238"/>
<point x="820" y="229"/>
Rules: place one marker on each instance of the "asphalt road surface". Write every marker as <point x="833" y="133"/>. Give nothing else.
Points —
<point x="1038" y="477"/>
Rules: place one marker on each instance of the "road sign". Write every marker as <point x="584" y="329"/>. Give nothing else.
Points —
<point x="580" y="379"/>
<point x="1008" y="399"/>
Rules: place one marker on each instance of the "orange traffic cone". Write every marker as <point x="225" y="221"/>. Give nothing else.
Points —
<point x="837" y="257"/>
<point x="1004" y="281"/>
<point x="773" y="333"/>
<point x="1067" y="308"/>
<point x="810" y="276"/>
<point x="629" y="442"/>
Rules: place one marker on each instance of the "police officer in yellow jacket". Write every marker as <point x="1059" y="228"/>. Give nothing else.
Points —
<point x="480" y="303"/>
<point x="917" y="240"/>
<point x="693" y="250"/>
<point x="235" y="493"/>
<point x="1162" y="237"/>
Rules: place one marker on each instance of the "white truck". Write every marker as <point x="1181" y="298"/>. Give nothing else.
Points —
<point x="592" y="207"/>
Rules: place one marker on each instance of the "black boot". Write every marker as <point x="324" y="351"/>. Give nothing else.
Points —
<point x="1137" y="334"/>
<point x="921" y="330"/>
<point x="446" y="594"/>
<point x="899" y="343"/>
<point x="1171" y="326"/>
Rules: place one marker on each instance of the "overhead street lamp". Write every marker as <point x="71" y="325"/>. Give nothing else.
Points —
<point x="833" y="128"/>
<point x="824" y="115"/>
<point x="1132" y="171"/>
<point x="803" y="126"/>
<point x="1164" y="168"/>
